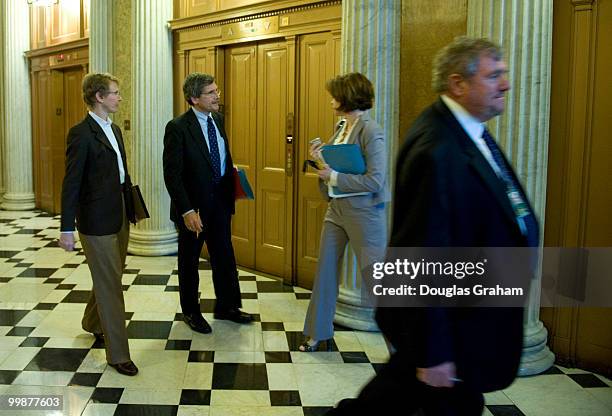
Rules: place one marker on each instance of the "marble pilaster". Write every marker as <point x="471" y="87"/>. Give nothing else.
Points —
<point x="17" y="150"/>
<point x="1" y="102"/>
<point x="370" y="45"/>
<point x="101" y="36"/>
<point x="151" y="110"/>
<point x="524" y="29"/>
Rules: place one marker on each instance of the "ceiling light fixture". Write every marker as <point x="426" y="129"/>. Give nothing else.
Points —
<point x="42" y="3"/>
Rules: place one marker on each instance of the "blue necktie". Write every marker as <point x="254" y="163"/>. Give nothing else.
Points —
<point x="518" y="201"/>
<point x="213" y="150"/>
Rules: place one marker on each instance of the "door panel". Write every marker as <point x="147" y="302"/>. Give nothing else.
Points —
<point x="579" y="199"/>
<point x="73" y="112"/>
<point x="44" y="112"/>
<point x="241" y="126"/>
<point x="273" y="203"/>
<point x="318" y="63"/>
<point x="198" y="61"/>
<point x="65" y="22"/>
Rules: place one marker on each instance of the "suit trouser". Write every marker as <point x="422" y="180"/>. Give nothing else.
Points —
<point x="217" y="234"/>
<point x="395" y="391"/>
<point x="105" y="309"/>
<point x="366" y="229"/>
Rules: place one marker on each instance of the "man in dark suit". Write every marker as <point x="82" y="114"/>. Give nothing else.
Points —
<point x="92" y="193"/>
<point x="454" y="188"/>
<point x="198" y="173"/>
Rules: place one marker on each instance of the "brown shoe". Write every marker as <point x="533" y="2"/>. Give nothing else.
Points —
<point x="128" y="368"/>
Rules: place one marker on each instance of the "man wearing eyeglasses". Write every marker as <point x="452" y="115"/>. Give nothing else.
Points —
<point x="198" y="173"/>
<point x="92" y="195"/>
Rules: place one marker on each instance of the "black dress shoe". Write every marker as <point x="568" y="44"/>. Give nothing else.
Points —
<point x="99" y="337"/>
<point x="235" y="315"/>
<point x="128" y="368"/>
<point x="197" y="323"/>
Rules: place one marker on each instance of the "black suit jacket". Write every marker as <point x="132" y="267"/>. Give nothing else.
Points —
<point x="91" y="191"/>
<point x="447" y="195"/>
<point x="188" y="170"/>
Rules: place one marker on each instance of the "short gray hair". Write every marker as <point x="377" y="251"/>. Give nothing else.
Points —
<point x="462" y="57"/>
<point x="194" y="85"/>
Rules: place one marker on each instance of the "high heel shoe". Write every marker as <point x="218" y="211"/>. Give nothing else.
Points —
<point x="311" y="346"/>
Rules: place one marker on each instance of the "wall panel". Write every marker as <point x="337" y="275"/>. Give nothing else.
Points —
<point x="427" y="26"/>
<point x="579" y="190"/>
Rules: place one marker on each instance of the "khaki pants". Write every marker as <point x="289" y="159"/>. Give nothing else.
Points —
<point x="105" y="310"/>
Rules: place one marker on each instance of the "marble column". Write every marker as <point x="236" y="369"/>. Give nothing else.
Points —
<point x="524" y="29"/>
<point x="101" y="36"/>
<point x="17" y="162"/>
<point x="1" y="102"/>
<point x="151" y="110"/>
<point x="370" y="45"/>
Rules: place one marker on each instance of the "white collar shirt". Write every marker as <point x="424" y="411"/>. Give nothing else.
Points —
<point x="473" y="128"/>
<point x="203" y="120"/>
<point x="106" y="126"/>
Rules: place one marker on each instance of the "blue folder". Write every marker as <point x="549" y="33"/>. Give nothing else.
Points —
<point x="344" y="158"/>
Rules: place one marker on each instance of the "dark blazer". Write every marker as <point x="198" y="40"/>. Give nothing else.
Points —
<point x="447" y="195"/>
<point x="91" y="192"/>
<point x="188" y="170"/>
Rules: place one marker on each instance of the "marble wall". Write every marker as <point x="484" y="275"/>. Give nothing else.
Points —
<point x="122" y="64"/>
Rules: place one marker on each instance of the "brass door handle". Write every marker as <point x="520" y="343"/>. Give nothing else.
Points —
<point x="289" y="155"/>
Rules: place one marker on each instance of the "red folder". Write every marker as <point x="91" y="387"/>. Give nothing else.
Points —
<point x="242" y="187"/>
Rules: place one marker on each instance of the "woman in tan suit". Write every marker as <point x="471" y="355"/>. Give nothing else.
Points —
<point x="356" y="213"/>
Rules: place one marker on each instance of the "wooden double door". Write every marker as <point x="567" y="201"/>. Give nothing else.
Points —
<point x="275" y="102"/>
<point x="57" y="105"/>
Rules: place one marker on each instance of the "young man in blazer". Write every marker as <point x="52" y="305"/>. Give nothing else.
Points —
<point x="198" y="172"/>
<point x="92" y="194"/>
<point x="454" y="188"/>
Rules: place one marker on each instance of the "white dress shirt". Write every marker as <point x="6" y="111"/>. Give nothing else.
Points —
<point x="108" y="132"/>
<point x="474" y="129"/>
<point x="203" y="120"/>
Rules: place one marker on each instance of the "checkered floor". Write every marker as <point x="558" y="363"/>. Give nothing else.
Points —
<point x="236" y="370"/>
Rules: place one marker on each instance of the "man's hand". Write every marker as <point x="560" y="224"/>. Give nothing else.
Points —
<point x="441" y="375"/>
<point x="66" y="241"/>
<point x="193" y="222"/>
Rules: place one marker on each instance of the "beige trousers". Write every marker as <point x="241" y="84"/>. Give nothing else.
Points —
<point x="105" y="310"/>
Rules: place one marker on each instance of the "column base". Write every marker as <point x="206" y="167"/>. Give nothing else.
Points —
<point x="352" y="314"/>
<point x="152" y="243"/>
<point x="536" y="357"/>
<point x="17" y="202"/>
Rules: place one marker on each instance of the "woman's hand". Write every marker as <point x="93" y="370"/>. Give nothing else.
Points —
<point x="315" y="151"/>
<point x="325" y="173"/>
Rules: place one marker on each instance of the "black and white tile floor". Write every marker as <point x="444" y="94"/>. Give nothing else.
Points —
<point x="236" y="370"/>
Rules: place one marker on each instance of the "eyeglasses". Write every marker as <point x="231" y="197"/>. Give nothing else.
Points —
<point x="212" y="93"/>
<point x="116" y="93"/>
